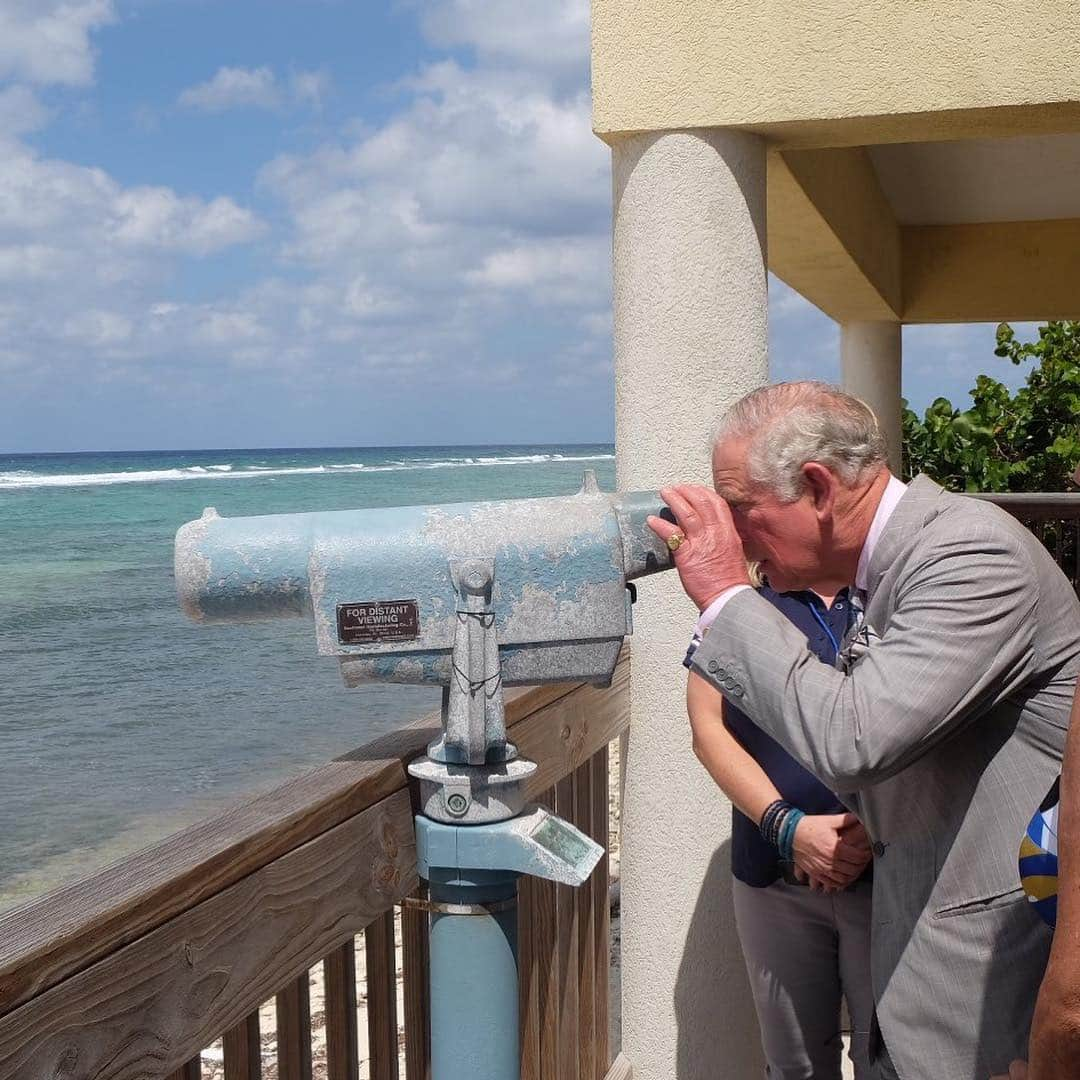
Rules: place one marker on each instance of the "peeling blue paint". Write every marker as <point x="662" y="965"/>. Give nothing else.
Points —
<point x="561" y="566"/>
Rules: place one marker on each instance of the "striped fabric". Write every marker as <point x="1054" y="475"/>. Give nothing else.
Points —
<point x="1038" y="857"/>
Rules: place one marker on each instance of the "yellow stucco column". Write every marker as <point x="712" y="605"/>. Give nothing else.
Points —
<point x="870" y="368"/>
<point x="690" y="310"/>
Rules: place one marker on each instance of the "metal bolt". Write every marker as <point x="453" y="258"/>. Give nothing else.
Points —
<point x="457" y="804"/>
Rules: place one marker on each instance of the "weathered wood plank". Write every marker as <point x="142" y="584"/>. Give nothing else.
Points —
<point x="1035" y="505"/>
<point x="566" y="931"/>
<point x="66" y="930"/>
<point x="546" y="960"/>
<point x="242" y="1047"/>
<point x="148" y="1007"/>
<point x="382" y="997"/>
<point x="166" y="1023"/>
<point x="293" y="1008"/>
<point x="415" y="957"/>
<point x="564" y="735"/>
<point x="586" y="955"/>
<point x="601" y="913"/>
<point x="339" y="980"/>
<point x="191" y="1070"/>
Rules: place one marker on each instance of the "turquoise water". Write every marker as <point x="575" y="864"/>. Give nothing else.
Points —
<point x="120" y="721"/>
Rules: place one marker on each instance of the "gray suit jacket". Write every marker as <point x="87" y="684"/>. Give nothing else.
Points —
<point x="947" y="725"/>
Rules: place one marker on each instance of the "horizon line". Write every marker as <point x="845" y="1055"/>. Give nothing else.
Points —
<point x="254" y="449"/>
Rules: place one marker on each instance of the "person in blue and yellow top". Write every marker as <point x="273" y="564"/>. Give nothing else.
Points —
<point x="801" y="865"/>
<point x="1039" y="857"/>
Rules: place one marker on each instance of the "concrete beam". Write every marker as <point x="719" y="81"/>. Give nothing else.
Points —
<point x="947" y="125"/>
<point x="832" y="234"/>
<point x="1017" y="270"/>
<point x="799" y="65"/>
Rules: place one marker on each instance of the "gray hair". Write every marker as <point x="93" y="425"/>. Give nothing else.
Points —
<point x="788" y="424"/>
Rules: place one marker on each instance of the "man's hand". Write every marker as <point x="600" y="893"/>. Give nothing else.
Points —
<point x="710" y="560"/>
<point x="1018" y="1070"/>
<point x="832" y="849"/>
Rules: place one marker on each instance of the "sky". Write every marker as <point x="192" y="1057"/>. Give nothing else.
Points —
<point x="325" y="222"/>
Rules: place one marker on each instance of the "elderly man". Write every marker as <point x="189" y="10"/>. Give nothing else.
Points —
<point x="945" y="718"/>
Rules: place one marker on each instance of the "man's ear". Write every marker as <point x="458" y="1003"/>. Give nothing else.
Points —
<point x="821" y="485"/>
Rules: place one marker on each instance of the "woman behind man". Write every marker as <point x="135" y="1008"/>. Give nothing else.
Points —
<point x="801" y="869"/>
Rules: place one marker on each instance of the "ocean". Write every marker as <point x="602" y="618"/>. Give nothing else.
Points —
<point x="121" y="721"/>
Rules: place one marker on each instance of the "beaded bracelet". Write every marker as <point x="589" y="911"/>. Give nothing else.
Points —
<point x="786" y="844"/>
<point x="771" y="820"/>
<point x="778" y="825"/>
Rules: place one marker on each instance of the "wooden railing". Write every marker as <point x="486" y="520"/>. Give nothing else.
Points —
<point x="1054" y="518"/>
<point x="132" y="973"/>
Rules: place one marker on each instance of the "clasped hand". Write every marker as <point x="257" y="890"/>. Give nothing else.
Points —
<point x="710" y="560"/>
<point x="831" y="850"/>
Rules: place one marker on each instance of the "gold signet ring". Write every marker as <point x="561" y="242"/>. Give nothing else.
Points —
<point x="675" y="541"/>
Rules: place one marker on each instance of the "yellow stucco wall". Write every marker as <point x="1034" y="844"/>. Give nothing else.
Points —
<point x="817" y="72"/>
<point x="1021" y="270"/>
<point x="832" y="234"/>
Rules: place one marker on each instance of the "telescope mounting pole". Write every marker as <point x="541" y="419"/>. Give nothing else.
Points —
<point x="474" y="837"/>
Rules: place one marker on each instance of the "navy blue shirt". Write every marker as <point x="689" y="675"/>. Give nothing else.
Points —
<point x="753" y="860"/>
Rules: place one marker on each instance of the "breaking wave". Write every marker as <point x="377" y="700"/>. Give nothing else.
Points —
<point x="23" y="478"/>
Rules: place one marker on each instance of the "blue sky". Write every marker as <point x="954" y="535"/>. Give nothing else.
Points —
<point x="324" y="222"/>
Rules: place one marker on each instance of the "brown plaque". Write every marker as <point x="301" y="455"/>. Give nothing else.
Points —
<point x="378" y="620"/>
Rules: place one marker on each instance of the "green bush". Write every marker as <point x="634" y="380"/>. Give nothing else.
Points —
<point x="1028" y="441"/>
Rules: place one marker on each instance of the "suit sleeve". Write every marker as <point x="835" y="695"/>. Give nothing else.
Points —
<point x="960" y="637"/>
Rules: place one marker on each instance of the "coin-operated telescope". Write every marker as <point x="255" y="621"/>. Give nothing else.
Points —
<point x="471" y="597"/>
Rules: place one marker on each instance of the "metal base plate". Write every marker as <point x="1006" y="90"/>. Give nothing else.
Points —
<point x="471" y="794"/>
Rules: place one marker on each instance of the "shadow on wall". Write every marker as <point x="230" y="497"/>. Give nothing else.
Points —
<point x="717" y="1028"/>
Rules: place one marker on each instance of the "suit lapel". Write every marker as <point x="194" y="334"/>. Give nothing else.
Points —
<point x="916" y="507"/>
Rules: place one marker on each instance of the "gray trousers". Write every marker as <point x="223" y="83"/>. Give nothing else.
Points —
<point x="805" y="951"/>
<point x="885" y="1068"/>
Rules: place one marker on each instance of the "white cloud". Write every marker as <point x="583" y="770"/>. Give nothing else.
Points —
<point x="158" y="218"/>
<point x="229" y="327"/>
<point x="233" y="88"/>
<point x="255" y="88"/>
<point x="81" y="213"/>
<point x="48" y="41"/>
<point x="412" y="250"/>
<point x="20" y="112"/>
<point x="550" y="37"/>
<point x="309" y="87"/>
<point x="551" y="269"/>
<point x="95" y="328"/>
<point x="81" y="256"/>
<point x="484" y="199"/>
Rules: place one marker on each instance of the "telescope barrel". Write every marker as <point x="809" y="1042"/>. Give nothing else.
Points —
<point x="382" y="585"/>
<point x="252" y="568"/>
<point x="644" y="552"/>
<point x="244" y="569"/>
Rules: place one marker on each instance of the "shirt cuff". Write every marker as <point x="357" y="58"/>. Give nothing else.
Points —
<point x="708" y="616"/>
